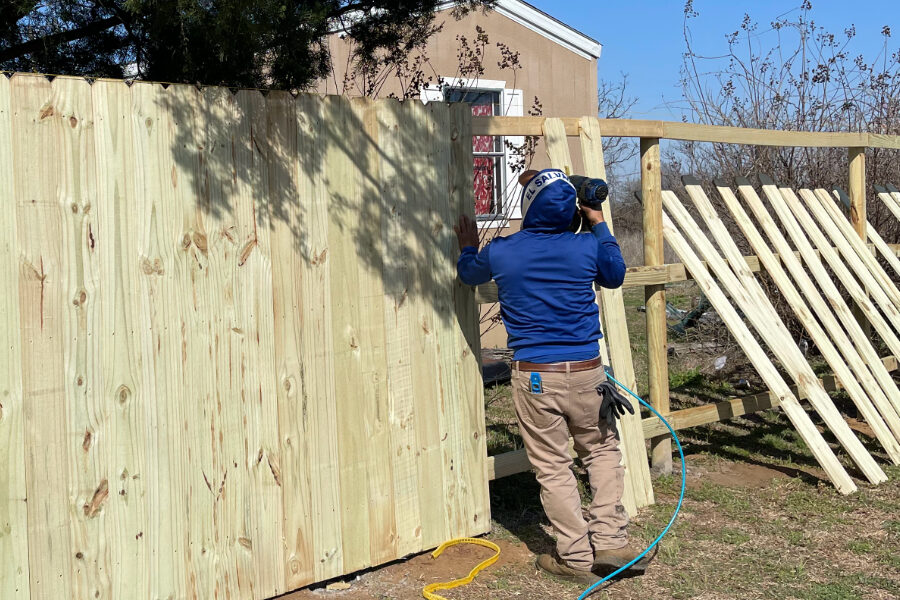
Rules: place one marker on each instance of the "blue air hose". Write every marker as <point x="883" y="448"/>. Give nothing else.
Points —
<point x="591" y="589"/>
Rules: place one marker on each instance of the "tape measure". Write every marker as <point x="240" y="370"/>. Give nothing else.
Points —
<point x="429" y="591"/>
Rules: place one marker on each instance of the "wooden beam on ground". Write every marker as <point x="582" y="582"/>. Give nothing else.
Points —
<point x="791" y="406"/>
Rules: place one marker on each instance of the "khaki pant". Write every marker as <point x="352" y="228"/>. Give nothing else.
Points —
<point x="570" y="404"/>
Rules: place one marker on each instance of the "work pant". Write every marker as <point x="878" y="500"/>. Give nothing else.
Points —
<point x="569" y="404"/>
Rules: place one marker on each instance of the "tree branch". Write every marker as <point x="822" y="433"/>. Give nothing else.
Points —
<point x="62" y="37"/>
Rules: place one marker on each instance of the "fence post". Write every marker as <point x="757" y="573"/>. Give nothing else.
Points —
<point x="856" y="159"/>
<point x="655" y="299"/>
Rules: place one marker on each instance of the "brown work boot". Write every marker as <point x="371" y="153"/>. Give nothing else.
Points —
<point x="560" y="570"/>
<point x="616" y="558"/>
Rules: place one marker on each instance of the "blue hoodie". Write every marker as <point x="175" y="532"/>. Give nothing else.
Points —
<point x="545" y="276"/>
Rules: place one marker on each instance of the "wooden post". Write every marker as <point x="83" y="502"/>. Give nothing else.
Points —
<point x="856" y="159"/>
<point x="655" y="298"/>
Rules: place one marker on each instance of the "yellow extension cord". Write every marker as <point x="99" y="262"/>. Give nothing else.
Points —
<point x="428" y="591"/>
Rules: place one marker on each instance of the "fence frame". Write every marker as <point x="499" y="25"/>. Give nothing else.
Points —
<point x="655" y="273"/>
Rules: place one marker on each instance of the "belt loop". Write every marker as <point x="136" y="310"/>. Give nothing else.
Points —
<point x="568" y="367"/>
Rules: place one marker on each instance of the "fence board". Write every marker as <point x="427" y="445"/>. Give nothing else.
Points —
<point x="634" y="453"/>
<point x="246" y="359"/>
<point x="158" y="239"/>
<point x="14" y="579"/>
<point x="43" y="302"/>
<point x="794" y="411"/>
<point x="292" y="285"/>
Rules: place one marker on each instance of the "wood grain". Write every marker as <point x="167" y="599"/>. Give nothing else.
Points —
<point x="14" y="576"/>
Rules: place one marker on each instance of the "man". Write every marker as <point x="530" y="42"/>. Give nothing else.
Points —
<point x="545" y="275"/>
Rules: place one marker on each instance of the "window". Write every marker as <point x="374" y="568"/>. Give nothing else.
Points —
<point x="489" y="151"/>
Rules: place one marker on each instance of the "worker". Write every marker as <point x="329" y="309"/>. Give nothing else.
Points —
<point x="545" y="275"/>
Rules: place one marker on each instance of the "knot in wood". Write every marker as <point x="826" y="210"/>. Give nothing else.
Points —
<point x="73" y="122"/>
<point x="186" y="241"/>
<point x="122" y="394"/>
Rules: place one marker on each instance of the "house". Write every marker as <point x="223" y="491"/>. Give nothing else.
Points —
<point x="556" y="69"/>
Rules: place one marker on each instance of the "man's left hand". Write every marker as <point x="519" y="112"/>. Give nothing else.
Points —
<point x="466" y="232"/>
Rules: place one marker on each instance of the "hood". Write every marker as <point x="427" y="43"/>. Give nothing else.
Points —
<point x="548" y="202"/>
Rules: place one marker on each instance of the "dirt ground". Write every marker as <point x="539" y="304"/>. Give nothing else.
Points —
<point x="749" y="529"/>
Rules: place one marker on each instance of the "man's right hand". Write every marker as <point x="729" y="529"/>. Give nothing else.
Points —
<point x="466" y="232"/>
<point x="593" y="216"/>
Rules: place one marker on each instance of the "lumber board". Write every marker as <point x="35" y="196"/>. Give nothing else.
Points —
<point x="856" y="157"/>
<point x="838" y="362"/>
<point x="883" y="248"/>
<point x="346" y="329"/>
<point x="14" y="578"/>
<point x="291" y="192"/>
<point x="745" y="291"/>
<point x="791" y="406"/>
<point x="887" y="198"/>
<point x="822" y="226"/>
<point x="649" y="275"/>
<point x="372" y="338"/>
<point x="319" y="368"/>
<point x="122" y="324"/>
<point x="398" y="281"/>
<point x="43" y="303"/>
<point x="615" y="328"/>
<point x="836" y="343"/>
<point x="827" y="207"/>
<point x="737" y="407"/>
<point x="747" y="294"/>
<point x="471" y="433"/>
<point x="252" y="347"/>
<point x="159" y="222"/>
<point x="782" y="201"/>
<point x="674" y="130"/>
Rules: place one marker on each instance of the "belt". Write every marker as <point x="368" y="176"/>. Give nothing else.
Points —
<point x="560" y="367"/>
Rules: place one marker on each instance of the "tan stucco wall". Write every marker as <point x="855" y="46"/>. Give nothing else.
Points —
<point x="564" y="83"/>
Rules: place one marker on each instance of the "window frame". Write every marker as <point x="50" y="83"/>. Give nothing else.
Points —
<point x="510" y="104"/>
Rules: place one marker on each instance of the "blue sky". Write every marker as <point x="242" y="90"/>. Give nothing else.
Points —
<point x="645" y="40"/>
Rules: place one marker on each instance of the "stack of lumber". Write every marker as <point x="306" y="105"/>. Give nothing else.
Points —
<point x="822" y="238"/>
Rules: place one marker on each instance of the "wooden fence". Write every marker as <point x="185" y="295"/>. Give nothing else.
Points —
<point x="654" y="274"/>
<point x="234" y="357"/>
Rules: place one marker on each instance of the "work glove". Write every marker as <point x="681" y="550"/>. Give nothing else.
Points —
<point x="614" y="404"/>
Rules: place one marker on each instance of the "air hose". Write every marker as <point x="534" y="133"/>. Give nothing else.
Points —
<point x="429" y="591"/>
<point x="593" y="587"/>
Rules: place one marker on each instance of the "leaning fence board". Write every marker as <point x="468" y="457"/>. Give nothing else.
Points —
<point x="744" y="290"/>
<point x="782" y="200"/>
<point x="14" y="582"/>
<point x="827" y="207"/>
<point x="803" y="230"/>
<point x="836" y="339"/>
<point x="888" y="199"/>
<point x="558" y="152"/>
<point x="797" y="415"/>
<point x="236" y="325"/>
<point x="837" y="361"/>
<point x="843" y="261"/>
<point x="616" y="333"/>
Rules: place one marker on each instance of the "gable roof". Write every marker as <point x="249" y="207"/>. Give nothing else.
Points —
<point x="548" y="26"/>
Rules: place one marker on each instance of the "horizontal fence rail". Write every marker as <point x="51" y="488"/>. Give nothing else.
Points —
<point x="691" y="132"/>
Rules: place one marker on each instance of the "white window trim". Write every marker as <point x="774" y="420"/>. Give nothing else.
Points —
<point x="512" y="101"/>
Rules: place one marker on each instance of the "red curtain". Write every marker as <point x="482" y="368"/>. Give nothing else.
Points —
<point x="484" y="165"/>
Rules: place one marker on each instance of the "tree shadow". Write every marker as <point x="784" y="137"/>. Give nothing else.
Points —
<point x="375" y="184"/>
